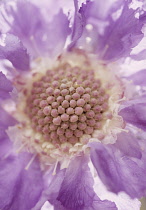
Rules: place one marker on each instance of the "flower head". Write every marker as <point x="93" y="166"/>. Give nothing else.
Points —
<point x="67" y="107"/>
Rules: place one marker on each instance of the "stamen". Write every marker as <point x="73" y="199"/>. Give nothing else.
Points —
<point x="55" y="167"/>
<point x="30" y="162"/>
<point x="20" y="148"/>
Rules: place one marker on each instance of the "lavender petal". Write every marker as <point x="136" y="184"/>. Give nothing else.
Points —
<point x="134" y="112"/>
<point x="117" y="168"/>
<point x="139" y="56"/>
<point x="19" y="185"/>
<point x="138" y="78"/>
<point x="40" y="35"/>
<point x="14" y="51"/>
<point x="5" y="87"/>
<point x="121" y="35"/>
<point x="76" y="190"/>
<point x="111" y="38"/>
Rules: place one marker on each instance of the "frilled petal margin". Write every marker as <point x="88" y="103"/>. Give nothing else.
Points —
<point x="122" y="200"/>
<point x="14" y="51"/>
<point x="121" y="35"/>
<point x="111" y="38"/>
<point x="76" y="191"/>
<point x="121" y="168"/>
<point x="78" y="25"/>
<point x="51" y="190"/>
<point x="19" y="188"/>
<point x="72" y="189"/>
<point x="5" y="87"/>
<point x="134" y="112"/>
<point x="39" y="36"/>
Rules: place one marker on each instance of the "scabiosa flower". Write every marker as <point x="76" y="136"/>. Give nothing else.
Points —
<point x="69" y="115"/>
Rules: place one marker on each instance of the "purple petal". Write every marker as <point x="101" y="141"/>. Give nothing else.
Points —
<point x="110" y="38"/>
<point x="101" y="205"/>
<point x="140" y="56"/>
<point x="5" y="145"/>
<point x="135" y="112"/>
<point x="20" y="188"/>
<point x="118" y="170"/>
<point x="122" y="200"/>
<point x="8" y="180"/>
<point x="79" y="23"/>
<point x="14" y="51"/>
<point x="54" y="187"/>
<point x="97" y="204"/>
<point x="97" y="9"/>
<point x="106" y="167"/>
<point x="26" y="24"/>
<point x="57" y="32"/>
<point x="51" y="190"/>
<point x="5" y="121"/>
<point x="40" y="35"/>
<point x="59" y="207"/>
<point x="121" y="35"/>
<point x="76" y="190"/>
<point x="5" y="87"/>
<point x="139" y="78"/>
<point x="128" y="146"/>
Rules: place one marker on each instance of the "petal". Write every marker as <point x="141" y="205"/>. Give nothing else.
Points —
<point x="139" y="78"/>
<point x="5" y="144"/>
<point x="139" y="56"/>
<point x="20" y="188"/>
<point x="80" y="20"/>
<point x="54" y="187"/>
<point x="5" y="119"/>
<point x="134" y="112"/>
<point x="78" y="24"/>
<point x="121" y="35"/>
<point x="17" y="184"/>
<point x="122" y="200"/>
<point x="14" y="51"/>
<point x="106" y="167"/>
<point x="40" y="35"/>
<point x="23" y="22"/>
<point x="127" y="144"/>
<point x="7" y="180"/>
<point x="111" y="37"/>
<point x="59" y="206"/>
<point x="87" y="11"/>
<point x="5" y="87"/>
<point x="118" y="171"/>
<point x="76" y="190"/>
<point x="57" y="32"/>
<point x="51" y="190"/>
<point x="101" y="205"/>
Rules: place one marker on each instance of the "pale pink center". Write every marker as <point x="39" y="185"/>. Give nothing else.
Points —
<point x="66" y="104"/>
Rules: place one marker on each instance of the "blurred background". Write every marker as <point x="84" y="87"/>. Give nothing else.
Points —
<point x="143" y="207"/>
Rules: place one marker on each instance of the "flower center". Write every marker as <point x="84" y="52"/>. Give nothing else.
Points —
<point x="67" y="103"/>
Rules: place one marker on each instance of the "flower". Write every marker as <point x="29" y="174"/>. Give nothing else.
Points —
<point x="67" y="107"/>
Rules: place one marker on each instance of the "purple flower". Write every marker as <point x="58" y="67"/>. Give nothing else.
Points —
<point x="72" y="116"/>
